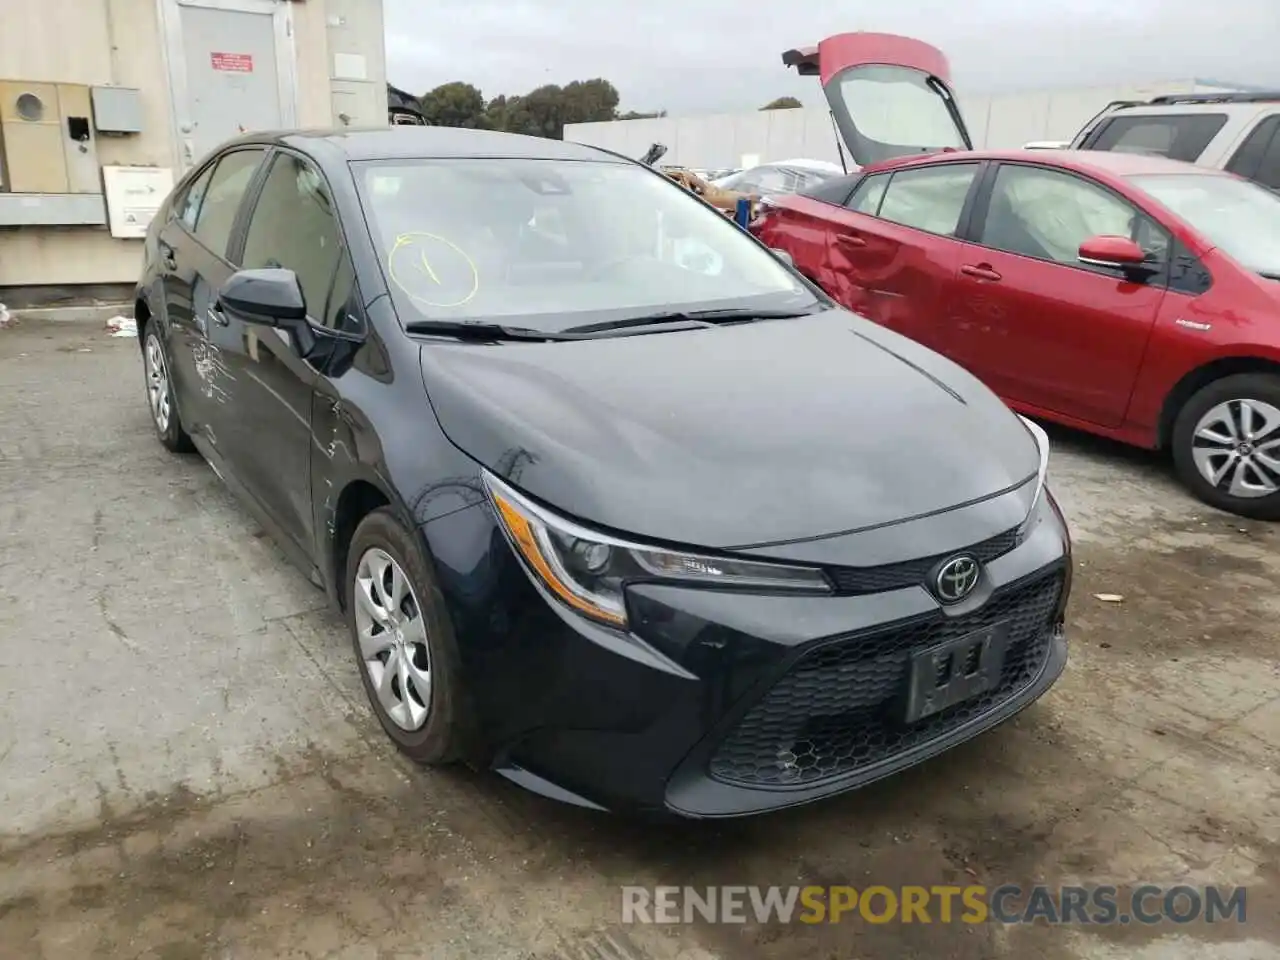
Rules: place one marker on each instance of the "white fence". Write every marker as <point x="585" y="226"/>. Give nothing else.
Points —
<point x="997" y="122"/>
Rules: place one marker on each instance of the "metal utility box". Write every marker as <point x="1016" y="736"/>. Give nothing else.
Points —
<point x="117" y="109"/>
<point x="46" y="138"/>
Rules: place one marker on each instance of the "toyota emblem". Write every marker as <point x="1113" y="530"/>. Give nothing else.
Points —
<point x="956" y="579"/>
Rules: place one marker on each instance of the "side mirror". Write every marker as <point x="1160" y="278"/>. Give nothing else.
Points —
<point x="1114" y="252"/>
<point x="783" y="256"/>
<point x="272" y="297"/>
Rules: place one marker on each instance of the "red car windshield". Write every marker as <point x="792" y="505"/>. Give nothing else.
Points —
<point x="1238" y="216"/>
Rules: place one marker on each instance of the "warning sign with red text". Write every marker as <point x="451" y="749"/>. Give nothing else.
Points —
<point x="232" y="62"/>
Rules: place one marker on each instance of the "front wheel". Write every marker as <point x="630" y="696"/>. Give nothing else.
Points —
<point x="164" y="411"/>
<point x="403" y="641"/>
<point x="1226" y="445"/>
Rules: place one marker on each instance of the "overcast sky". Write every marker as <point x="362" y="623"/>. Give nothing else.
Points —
<point x="693" y="56"/>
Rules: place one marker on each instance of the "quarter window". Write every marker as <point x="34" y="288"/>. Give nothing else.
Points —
<point x="1176" y="136"/>
<point x="294" y="226"/>
<point x="1047" y="215"/>
<point x="217" y="213"/>
<point x="1259" y="156"/>
<point x="929" y="198"/>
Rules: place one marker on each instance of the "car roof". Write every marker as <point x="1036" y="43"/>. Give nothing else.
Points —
<point x="417" y="142"/>
<point x="1105" y="162"/>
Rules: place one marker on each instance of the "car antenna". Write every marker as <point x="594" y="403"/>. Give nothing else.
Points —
<point x="839" y="145"/>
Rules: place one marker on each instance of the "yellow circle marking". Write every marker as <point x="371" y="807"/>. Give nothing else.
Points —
<point x="420" y="266"/>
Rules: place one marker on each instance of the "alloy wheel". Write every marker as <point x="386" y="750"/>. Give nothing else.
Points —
<point x="157" y="383"/>
<point x="393" y="639"/>
<point x="1236" y="448"/>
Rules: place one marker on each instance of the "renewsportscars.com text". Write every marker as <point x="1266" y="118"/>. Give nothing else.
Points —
<point x="973" y="904"/>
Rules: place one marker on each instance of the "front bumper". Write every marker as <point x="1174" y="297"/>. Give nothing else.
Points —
<point x="722" y="704"/>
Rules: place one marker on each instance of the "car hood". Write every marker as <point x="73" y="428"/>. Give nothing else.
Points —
<point x="733" y="436"/>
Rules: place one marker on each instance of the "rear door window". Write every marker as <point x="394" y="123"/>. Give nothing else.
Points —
<point x="929" y="198"/>
<point x="866" y="199"/>
<point x="217" y="214"/>
<point x="1259" y="156"/>
<point x="1176" y="136"/>
<point x="189" y="206"/>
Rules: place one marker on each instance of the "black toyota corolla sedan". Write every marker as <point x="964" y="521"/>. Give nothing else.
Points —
<point x="614" y="501"/>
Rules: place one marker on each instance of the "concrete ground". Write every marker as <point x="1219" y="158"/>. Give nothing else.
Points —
<point x="188" y="768"/>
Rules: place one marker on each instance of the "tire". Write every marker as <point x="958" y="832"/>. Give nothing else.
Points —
<point x="440" y="738"/>
<point x="160" y="399"/>
<point x="1208" y="410"/>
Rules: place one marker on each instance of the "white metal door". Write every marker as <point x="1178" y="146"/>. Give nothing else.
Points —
<point x="231" y="64"/>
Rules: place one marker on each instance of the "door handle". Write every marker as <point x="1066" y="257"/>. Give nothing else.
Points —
<point x="168" y="256"/>
<point x="219" y="317"/>
<point x="849" y="240"/>
<point x="982" y="272"/>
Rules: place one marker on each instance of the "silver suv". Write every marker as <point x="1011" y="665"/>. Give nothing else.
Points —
<point x="1239" y="132"/>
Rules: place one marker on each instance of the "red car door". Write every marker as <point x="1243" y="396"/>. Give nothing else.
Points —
<point x="896" y="252"/>
<point x="888" y="252"/>
<point x="1042" y="329"/>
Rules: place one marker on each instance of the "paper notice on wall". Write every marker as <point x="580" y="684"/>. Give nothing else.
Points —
<point x="134" y="194"/>
<point x="232" y="62"/>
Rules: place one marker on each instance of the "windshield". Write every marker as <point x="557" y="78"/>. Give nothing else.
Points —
<point x="552" y="244"/>
<point x="888" y="111"/>
<point x="1237" y="216"/>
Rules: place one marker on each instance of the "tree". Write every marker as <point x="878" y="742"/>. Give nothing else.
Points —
<point x="782" y="103"/>
<point x="495" y="112"/>
<point x="455" y="104"/>
<point x="639" y="115"/>
<point x="585" y="101"/>
<point x="541" y="113"/>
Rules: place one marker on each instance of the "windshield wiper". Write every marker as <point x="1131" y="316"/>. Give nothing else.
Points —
<point x="692" y="317"/>
<point x="485" y="332"/>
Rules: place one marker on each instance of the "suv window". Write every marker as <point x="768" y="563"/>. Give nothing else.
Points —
<point x="1046" y="214"/>
<point x="217" y="214"/>
<point x="1259" y="156"/>
<point x="866" y="199"/>
<point x="929" y="198"/>
<point x="294" y="226"/>
<point x="1178" y="136"/>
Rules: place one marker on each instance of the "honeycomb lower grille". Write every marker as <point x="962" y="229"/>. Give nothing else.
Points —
<point x="837" y="709"/>
<point x="909" y="573"/>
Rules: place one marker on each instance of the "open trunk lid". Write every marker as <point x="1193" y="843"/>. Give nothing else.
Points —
<point x="890" y="96"/>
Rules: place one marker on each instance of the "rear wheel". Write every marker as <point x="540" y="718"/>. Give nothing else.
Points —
<point x="1226" y="445"/>
<point x="164" y="412"/>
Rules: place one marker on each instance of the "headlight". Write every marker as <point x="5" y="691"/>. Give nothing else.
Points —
<point x="588" y="570"/>
<point x="1042" y="472"/>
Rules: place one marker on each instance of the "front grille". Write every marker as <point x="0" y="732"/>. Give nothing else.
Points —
<point x="836" y="710"/>
<point x="851" y="581"/>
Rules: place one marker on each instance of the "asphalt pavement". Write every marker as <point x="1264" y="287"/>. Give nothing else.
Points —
<point x="188" y="768"/>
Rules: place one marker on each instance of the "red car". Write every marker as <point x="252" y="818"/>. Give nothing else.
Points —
<point x="1130" y="296"/>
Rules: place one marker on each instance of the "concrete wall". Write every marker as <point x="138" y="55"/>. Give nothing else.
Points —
<point x="119" y="42"/>
<point x="1004" y="121"/>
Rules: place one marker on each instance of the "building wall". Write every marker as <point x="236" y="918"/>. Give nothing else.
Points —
<point x="1005" y="121"/>
<point x="119" y="42"/>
